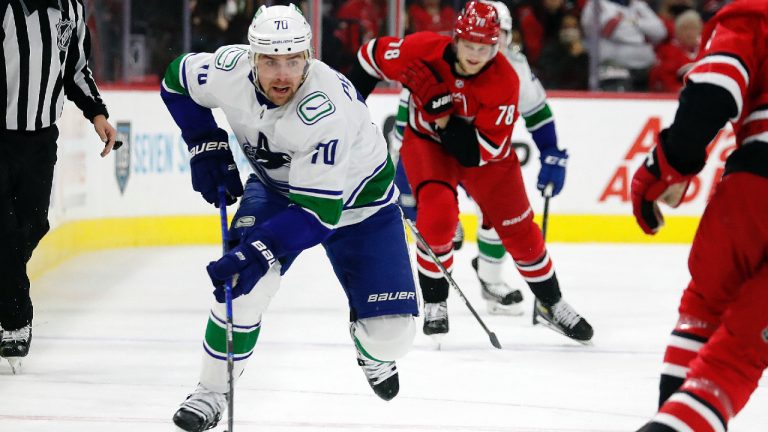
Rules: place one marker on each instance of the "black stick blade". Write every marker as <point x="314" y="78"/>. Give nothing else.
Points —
<point x="494" y="340"/>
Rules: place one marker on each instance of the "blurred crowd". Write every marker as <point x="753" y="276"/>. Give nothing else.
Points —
<point x="640" y="45"/>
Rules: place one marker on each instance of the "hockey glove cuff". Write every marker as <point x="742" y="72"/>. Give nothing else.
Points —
<point x="656" y="180"/>
<point x="212" y="165"/>
<point x="553" y="162"/>
<point x="428" y="90"/>
<point x="245" y="265"/>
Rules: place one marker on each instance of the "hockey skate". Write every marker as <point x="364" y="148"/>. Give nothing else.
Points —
<point x="458" y="237"/>
<point x="561" y="318"/>
<point x="201" y="411"/>
<point x="501" y="299"/>
<point x="436" y="321"/>
<point x="382" y="376"/>
<point x="14" y="346"/>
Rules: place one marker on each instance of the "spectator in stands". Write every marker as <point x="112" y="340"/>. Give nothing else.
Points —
<point x="674" y="58"/>
<point x="209" y="25"/>
<point x="431" y="15"/>
<point x="627" y="32"/>
<point x="540" y="23"/>
<point x="564" y="63"/>
<point x="357" y="22"/>
<point x="669" y="10"/>
<point x="368" y="13"/>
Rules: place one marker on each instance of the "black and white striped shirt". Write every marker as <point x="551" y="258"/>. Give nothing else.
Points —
<point x="45" y="47"/>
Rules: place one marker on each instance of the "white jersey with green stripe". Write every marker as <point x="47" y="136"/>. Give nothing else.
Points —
<point x="532" y="95"/>
<point x="321" y="149"/>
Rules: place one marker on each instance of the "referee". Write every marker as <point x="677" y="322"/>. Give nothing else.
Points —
<point x="44" y="46"/>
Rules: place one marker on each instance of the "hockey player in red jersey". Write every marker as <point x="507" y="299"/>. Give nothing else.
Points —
<point x="463" y="106"/>
<point x="719" y="347"/>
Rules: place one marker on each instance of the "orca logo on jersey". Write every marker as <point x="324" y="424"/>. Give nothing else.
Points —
<point x="262" y="155"/>
<point x="400" y="295"/>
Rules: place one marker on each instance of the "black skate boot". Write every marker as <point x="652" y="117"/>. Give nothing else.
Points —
<point x="561" y="318"/>
<point x="435" y="318"/>
<point x="14" y="346"/>
<point x="501" y="298"/>
<point x="458" y="237"/>
<point x="381" y="376"/>
<point x="201" y="411"/>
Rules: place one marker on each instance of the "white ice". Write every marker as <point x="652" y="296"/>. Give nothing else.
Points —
<point x="118" y="341"/>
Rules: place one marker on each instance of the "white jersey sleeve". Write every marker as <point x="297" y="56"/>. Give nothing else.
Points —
<point x="532" y="94"/>
<point x="209" y="77"/>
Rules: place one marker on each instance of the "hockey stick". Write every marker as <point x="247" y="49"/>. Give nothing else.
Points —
<point x="228" y="301"/>
<point x="417" y="234"/>
<point x="545" y="216"/>
<point x="547" y="193"/>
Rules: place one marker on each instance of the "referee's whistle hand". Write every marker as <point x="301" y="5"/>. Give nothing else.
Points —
<point x="106" y="132"/>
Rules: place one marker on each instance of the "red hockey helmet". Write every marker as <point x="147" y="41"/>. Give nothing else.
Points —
<point x="478" y="22"/>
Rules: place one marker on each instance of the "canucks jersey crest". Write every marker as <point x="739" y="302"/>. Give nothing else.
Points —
<point x="262" y="155"/>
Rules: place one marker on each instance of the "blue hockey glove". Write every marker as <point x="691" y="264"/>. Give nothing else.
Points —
<point x="244" y="265"/>
<point x="553" y="163"/>
<point x="212" y="165"/>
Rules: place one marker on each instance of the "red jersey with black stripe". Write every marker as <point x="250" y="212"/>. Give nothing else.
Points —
<point x="487" y="99"/>
<point x="734" y="56"/>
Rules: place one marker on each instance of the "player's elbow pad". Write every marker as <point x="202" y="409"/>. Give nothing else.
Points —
<point x="459" y="139"/>
<point x="363" y="82"/>
<point x="704" y="109"/>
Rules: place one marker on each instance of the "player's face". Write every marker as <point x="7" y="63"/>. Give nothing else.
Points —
<point x="280" y="75"/>
<point x="472" y="56"/>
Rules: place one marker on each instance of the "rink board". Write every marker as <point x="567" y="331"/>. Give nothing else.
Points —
<point x="141" y="195"/>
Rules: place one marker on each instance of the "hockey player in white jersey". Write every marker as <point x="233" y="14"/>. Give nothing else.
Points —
<point x="533" y="106"/>
<point x="322" y="176"/>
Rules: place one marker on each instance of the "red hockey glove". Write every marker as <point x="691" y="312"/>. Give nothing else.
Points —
<point x="428" y="89"/>
<point x="656" y="180"/>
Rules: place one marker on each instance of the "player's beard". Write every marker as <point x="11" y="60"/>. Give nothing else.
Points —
<point x="279" y="97"/>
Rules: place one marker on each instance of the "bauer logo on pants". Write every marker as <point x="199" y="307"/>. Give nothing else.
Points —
<point x="123" y="157"/>
<point x="401" y="295"/>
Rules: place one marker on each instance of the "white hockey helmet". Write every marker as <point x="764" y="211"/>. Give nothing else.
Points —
<point x="279" y="30"/>
<point x="505" y="19"/>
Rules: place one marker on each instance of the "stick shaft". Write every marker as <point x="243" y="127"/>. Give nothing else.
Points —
<point x="452" y="282"/>
<point x="228" y="301"/>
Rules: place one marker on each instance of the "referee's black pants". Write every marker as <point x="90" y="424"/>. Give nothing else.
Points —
<point x="26" y="175"/>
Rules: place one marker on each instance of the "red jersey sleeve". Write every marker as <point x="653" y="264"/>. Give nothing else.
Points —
<point x="729" y="56"/>
<point x="385" y="57"/>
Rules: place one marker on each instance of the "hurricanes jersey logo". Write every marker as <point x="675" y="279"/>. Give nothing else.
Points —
<point x="64" y="33"/>
<point x="262" y="155"/>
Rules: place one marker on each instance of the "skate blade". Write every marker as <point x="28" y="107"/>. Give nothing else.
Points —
<point x="549" y="325"/>
<point x="438" y="340"/>
<point x="495" y="308"/>
<point x="16" y="364"/>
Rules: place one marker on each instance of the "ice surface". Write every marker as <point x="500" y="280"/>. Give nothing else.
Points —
<point x="118" y="341"/>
